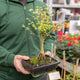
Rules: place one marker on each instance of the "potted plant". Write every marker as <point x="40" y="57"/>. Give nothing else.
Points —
<point x="41" y="63"/>
<point x="70" y="43"/>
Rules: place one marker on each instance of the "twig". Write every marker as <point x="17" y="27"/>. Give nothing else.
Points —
<point x="76" y="67"/>
<point x="64" y="64"/>
<point x="55" y="51"/>
<point x="51" y="51"/>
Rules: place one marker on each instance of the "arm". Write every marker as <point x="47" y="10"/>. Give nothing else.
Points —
<point x="9" y="59"/>
<point x="6" y="57"/>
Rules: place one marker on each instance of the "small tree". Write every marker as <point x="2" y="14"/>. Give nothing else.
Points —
<point x="45" y="27"/>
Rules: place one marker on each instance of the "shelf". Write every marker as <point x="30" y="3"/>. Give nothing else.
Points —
<point x="65" y="6"/>
<point x="68" y="66"/>
<point x="55" y="21"/>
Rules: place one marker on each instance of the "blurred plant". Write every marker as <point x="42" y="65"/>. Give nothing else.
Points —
<point x="70" y="76"/>
<point x="69" y="43"/>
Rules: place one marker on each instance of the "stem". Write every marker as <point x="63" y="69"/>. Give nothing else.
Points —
<point x="76" y="68"/>
<point x="50" y="31"/>
<point x="42" y="44"/>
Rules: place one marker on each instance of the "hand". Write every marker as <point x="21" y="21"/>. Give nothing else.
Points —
<point x="48" y="53"/>
<point x="18" y="65"/>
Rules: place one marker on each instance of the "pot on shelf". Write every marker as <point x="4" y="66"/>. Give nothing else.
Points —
<point x="76" y="1"/>
<point x="67" y="1"/>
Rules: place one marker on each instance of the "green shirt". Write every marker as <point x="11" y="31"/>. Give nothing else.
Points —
<point x="14" y="39"/>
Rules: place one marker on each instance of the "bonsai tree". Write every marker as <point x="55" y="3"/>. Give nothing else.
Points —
<point x="45" y="27"/>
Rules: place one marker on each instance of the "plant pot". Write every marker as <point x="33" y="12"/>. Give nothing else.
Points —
<point x="36" y="71"/>
<point x="76" y="1"/>
<point x="67" y="1"/>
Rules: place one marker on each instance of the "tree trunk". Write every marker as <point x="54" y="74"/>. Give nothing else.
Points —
<point x="42" y="45"/>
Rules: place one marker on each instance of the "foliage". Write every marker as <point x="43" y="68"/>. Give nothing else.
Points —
<point x="68" y="42"/>
<point x="71" y="75"/>
<point x="43" y="24"/>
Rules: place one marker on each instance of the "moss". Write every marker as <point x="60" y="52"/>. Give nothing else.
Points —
<point x="42" y="61"/>
<point x="34" y="61"/>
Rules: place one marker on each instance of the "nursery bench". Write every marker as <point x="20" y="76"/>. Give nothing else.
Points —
<point x="68" y="66"/>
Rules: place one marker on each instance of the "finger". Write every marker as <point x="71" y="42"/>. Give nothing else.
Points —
<point x="24" y="57"/>
<point x="48" y="53"/>
<point x="17" y="65"/>
<point x="21" y="69"/>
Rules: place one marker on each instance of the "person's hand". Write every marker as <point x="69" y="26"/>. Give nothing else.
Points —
<point x="18" y="65"/>
<point x="48" y="53"/>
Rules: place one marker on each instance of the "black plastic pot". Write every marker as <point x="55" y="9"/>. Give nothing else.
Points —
<point x="41" y="69"/>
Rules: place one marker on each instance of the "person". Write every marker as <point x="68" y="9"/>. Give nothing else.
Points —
<point x="17" y="44"/>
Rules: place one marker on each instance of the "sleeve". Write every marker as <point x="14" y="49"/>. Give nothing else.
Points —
<point x="48" y="41"/>
<point x="6" y="57"/>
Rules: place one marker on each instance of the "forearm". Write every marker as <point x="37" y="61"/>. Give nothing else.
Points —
<point x="6" y="57"/>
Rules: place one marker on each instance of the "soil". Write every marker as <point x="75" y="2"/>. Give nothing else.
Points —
<point x="47" y="60"/>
